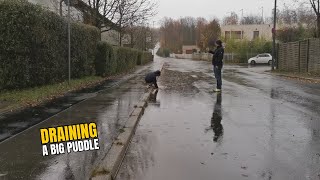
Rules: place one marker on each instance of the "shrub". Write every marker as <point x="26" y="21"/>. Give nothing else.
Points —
<point x="126" y="58"/>
<point x="34" y="48"/>
<point x="146" y="57"/>
<point x="105" y="63"/>
<point x="163" y="52"/>
<point x="110" y="60"/>
<point x="244" y="49"/>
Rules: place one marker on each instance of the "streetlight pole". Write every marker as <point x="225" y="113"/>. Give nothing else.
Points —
<point x="274" y="34"/>
<point x="69" y="44"/>
<point x="262" y="15"/>
<point x="241" y="16"/>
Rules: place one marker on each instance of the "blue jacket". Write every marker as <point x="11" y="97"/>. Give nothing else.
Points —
<point x="217" y="59"/>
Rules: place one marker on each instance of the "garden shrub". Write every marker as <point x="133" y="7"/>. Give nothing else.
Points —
<point x="34" y="47"/>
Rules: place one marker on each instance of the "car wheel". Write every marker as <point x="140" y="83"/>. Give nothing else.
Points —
<point x="270" y="62"/>
<point x="253" y="62"/>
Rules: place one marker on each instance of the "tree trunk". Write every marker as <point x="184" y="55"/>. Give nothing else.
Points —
<point x="120" y="38"/>
<point x="131" y="39"/>
<point x="60" y="8"/>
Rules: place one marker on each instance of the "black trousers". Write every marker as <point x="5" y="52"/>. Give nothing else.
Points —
<point x="217" y="73"/>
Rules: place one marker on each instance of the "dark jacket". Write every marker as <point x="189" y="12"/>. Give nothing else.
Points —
<point x="152" y="78"/>
<point x="217" y="59"/>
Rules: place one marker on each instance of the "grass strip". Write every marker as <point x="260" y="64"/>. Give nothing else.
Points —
<point x="11" y="100"/>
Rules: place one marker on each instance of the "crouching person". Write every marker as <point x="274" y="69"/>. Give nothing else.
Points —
<point x="151" y="78"/>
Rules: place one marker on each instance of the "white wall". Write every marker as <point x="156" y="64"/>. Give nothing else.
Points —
<point x="265" y="30"/>
<point x="112" y="37"/>
<point x="54" y="5"/>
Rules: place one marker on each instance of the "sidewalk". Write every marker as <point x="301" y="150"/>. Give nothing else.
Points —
<point x="21" y="156"/>
<point x="301" y="77"/>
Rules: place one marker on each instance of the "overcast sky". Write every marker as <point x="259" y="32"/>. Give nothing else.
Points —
<point x="213" y="8"/>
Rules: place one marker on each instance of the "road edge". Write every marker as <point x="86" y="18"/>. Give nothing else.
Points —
<point x="297" y="77"/>
<point x="111" y="163"/>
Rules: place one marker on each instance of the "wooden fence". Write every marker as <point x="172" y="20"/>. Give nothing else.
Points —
<point x="301" y="56"/>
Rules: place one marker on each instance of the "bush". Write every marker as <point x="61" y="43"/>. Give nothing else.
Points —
<point x="244" y="49"/>
<point x="146" y="57"/>
<point x="110" y="60"/>
<point x="105" y="63"/>
<point x="126" y="58"/>
<point x="34" y="48"/>
<point x="163" y="52"/>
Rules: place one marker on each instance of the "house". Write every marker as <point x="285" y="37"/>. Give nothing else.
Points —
<point x="79" y="13"/>
<point x="59" y="7"/>
<point x="249" y="32"/>
<point x="189" y="49"/>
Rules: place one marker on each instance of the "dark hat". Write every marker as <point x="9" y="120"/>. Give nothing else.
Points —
<point x="158" y="73"/>
<point x="219" y="42"/>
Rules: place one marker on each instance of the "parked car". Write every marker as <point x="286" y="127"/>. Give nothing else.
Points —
<point x="261" y="59"/>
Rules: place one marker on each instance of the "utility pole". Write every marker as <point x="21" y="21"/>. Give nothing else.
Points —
<point x="241" y="16"/>
<point x="262" y="15"/>
<point x="69" y="44"/>
<point x="274" y="34"/>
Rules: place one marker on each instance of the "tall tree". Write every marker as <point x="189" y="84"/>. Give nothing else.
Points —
<point x="232" y="19"/>
<point x="188" y="31"/>
<point x="315" y="4"/>
<point x="115" y="14"/>
<point x="251" y="19"/>
<point x="211" y="33"/>
<point x="200" y="29"/>
<point x="132" y="12"/>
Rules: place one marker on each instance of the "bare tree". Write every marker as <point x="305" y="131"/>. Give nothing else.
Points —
<point x="133" y="12"/>
<point x="211" y="33"/>
<point x="316" y="8"/>
<point x="252" y="19"/>
<point x="231" y="20"/>
<point x="188" y="31"/>
<point x="114" y="14"/>
<point x="201" y="25"/>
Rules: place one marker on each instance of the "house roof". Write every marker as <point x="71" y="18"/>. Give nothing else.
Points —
<point x="85" y="8"/>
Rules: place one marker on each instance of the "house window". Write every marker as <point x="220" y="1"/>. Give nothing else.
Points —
<point x="236" y="34"/>
<point x="255" y="34"/>
<point x="227" y="35"/>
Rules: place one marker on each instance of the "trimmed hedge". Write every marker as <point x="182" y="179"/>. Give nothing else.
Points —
<point x="33" y="46"/>
<point x="163" y="52"/>
<point x="111" y="60"/>
<point x="146" y="57"/>
<point x="104" y="61"/>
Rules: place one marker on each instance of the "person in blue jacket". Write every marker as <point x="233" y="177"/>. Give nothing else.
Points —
<point x="217" y="62"/>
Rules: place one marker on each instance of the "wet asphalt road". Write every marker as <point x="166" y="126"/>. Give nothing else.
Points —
<point x="21" y="154"/>
<point x="260" y="127"/>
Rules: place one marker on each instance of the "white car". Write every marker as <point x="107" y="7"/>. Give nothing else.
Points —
<point x="261" y="59"/>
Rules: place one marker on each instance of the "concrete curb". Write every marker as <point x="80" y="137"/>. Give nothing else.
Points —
<point x="298" y="77"/>
<point x="110" y="165"/>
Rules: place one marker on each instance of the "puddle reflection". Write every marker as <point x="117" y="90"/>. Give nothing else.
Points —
<point x="153" y="99"/>
<point x="216" y="119"/>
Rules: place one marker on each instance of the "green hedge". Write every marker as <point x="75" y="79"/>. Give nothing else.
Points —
<point x="33" y="46"/>
<point x="104" y="61"/>
<point x="146" y="57"/>
<point x="163" y="52"/>
<point x="111" y="60"/>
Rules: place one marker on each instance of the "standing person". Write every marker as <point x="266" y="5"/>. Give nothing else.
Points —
<point x="217" y="62"/>
<point x="151" y="78"/>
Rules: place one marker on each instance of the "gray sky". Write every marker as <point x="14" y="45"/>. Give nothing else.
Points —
<point x="213" y="8"/>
